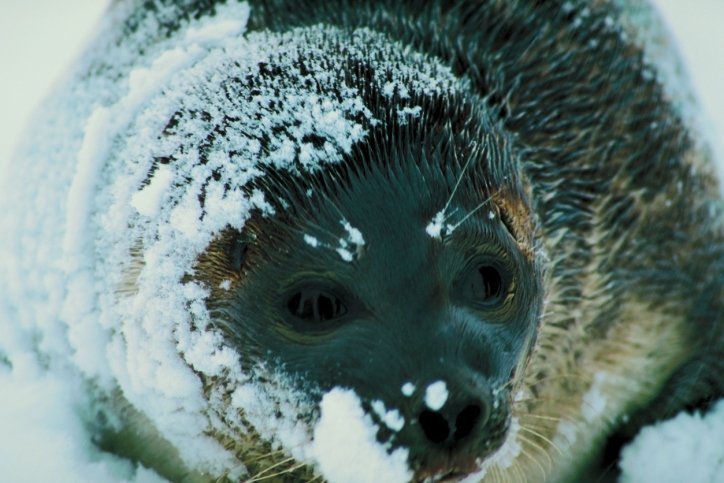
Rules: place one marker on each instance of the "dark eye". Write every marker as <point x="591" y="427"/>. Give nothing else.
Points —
<point x="485" y="285"/>
<point x="316" y="306"/>
<point x="489" y="284"/>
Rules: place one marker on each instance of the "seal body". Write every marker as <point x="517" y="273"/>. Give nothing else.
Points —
<point x="489" y="229"/>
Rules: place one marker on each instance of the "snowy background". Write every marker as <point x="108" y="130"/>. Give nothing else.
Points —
<point x="40" y="37"/>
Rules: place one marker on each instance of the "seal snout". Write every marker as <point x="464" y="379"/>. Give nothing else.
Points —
<point x="452" y="425"/>
<point x="448" y="417"/>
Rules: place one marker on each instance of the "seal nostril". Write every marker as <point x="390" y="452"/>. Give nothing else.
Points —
<point x="466" y="420"/>
<point x="434" y="425"/>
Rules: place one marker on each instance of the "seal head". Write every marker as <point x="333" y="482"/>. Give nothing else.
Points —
<point x="397" y="266"/>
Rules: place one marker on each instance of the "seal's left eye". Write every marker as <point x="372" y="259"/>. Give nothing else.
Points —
<point x="316" y="306"/>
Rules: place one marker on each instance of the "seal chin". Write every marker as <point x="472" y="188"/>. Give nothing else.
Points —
<point x="453" y="464"/>
<point x="454" y="469"/>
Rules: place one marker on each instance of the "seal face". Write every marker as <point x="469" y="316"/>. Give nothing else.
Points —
<point x="437" y="234"/>
<point x="348" y="289"/>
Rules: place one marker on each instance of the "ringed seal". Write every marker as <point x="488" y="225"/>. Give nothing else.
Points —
<point x="487" y="228"/>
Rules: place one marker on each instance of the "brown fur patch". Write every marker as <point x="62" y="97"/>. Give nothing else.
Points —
<point x="517" y="217"/>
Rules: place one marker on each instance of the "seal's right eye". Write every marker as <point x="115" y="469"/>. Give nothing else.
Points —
<point x="313" y="305"/>
<point x="485" y="285"/>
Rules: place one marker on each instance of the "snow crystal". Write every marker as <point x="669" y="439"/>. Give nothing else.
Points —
<point x="230" y="20"/>
<point x="436" y="395"/>
<point x="354" y="236"/>
<point x="273" y="412"/>
<point x="408" y="389"/>
<point x="345" y="445"/>
<point x="148" y="201"/>
<point x="225" y="285"/>
<point x="407" y="113"/>
<point x="392" y="418"/>
<point x="435" y="227"/>
<point x="311" y="241"/>
<point x="345" y="254"/>
<point x="389" y="89"/>
<point x="349" y="248"/>
<point x="687" y="448"/>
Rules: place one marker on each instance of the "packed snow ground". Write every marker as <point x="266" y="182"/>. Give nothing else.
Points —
<point x="688" y="448"/>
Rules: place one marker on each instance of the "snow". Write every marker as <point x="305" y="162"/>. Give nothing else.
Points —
<point x="689" y="448"/>
<point x="283" y="429"/>
<point x="392" y="418"/>
<point x="408" y="389"/>
<point x="354" y="236"/>
<point x="345" y="254"/>
<point x="435" y="227"/>
<point x="311" y="241"/>
<point x="353" y="455"/>
<point x="48" y="442"/>
<point x="350" y="247"/>
<point x="436" y="395"/>
<point x="148" y="200"/>
<point x="407" y="113"/>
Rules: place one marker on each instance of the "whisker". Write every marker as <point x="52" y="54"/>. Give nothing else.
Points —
<point x="266" y="455"/>
<point x="518" y="472"/>
<point x="538" y="416"/>
<point x="471" y="213"/>
<point x="274" y="475"/>
<point x="457" y="184"/>
<point x="540" y="448"/>
<point x="536" y="463"/>
<point x="258" y="476"/>
<point x="497" y="474"/>
<point x="536" y="433"/>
